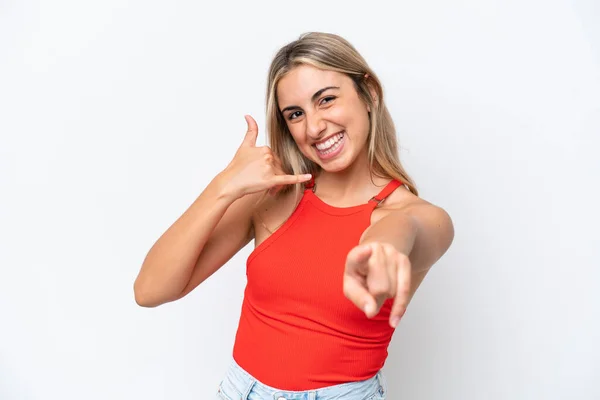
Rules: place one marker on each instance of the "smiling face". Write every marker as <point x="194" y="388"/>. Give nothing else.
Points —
<point x="325" y="115"/>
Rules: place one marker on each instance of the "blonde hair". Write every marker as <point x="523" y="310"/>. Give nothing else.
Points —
<point x="331" y="52"/>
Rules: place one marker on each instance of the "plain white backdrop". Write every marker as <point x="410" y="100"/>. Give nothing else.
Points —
<point x="114" y="115"/>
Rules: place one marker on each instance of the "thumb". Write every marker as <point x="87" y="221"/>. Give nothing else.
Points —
<point x="252" y="133"/>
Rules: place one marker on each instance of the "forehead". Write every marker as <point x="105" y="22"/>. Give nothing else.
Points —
<point x="303" y="81"/>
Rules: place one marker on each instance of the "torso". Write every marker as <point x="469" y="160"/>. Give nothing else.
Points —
<point x="272" y="212"/>
<point x="294" y="308"/>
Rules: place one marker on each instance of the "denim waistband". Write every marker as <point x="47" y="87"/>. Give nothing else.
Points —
<point x="240" y="385"/>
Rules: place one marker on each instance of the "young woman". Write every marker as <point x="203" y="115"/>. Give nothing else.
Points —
<point x="342" y="240"/>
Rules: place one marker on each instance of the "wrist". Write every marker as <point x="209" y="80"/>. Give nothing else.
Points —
<point x="224" y="188"/>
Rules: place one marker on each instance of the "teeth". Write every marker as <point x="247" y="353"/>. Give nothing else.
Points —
<point x="331" y="149"/>
<point x="329" y="143"/>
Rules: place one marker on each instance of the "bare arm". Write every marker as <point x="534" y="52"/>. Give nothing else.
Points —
<point x="398" y="248"/>
<point x="215" y="227"/>
<point x="422" y="231"/>
<point x="204" y="238"/>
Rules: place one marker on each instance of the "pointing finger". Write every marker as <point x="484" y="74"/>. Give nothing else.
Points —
<point x="357" y="259"/>
<point x="357" y="293"/>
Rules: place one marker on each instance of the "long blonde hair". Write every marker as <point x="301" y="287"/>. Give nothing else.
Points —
<point x="331" y="52"/>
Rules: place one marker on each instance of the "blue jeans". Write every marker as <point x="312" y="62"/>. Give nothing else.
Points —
<point x="240" y="385"/>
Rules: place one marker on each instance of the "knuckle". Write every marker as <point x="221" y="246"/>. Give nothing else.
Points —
<point x="379" y="288"/>
<point x="404" y="291"/>
<point x="375" y="265"/>
<point x="389" y="249"/>
<point x="401" y="257"/>
<point x="387" y="246"/>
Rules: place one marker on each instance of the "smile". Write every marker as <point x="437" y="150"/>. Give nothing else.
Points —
<point x="331" y="147"/>
<point x="330" y="144"/>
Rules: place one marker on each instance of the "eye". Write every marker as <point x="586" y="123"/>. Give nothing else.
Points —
<point x="293" y="115"/>
<point x="327" y="99"/>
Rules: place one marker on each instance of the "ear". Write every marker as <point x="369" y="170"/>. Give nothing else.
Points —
<point x="372" y="90"/>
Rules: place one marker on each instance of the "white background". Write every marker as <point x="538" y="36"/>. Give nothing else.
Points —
<point x="114" y="115"/>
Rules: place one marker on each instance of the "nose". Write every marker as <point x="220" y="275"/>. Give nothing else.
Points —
<point x="315" y="125"/>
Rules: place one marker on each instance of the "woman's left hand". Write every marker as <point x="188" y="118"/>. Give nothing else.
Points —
<point x="374" y="273"/>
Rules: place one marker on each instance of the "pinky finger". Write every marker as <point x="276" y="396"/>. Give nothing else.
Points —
<point x="402" y="291"/>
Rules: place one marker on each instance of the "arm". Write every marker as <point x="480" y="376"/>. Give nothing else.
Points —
<point x="422" y="231"/>
<point x="215" y="227"/>
<point x="204" y="238"/>
<point x="402" y="245"/>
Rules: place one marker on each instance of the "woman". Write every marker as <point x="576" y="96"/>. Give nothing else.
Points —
<point x="342" y="240"/>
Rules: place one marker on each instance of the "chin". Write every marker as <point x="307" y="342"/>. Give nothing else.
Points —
<point x="335" y="165"/>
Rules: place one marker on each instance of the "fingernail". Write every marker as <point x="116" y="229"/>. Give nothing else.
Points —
<point x="369" y="308"/>
<point x="394" y="322"/>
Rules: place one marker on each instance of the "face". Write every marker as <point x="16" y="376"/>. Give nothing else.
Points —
<point x="325" y="116"/>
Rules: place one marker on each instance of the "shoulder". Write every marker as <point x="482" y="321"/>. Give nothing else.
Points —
<point x="401" y="200"/>
<point x="426" y="215"/>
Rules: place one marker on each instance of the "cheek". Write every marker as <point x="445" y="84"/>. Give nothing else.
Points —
<point x="352" y="114"/>
<point x="296" y="132"/>
<point x="340" y="115"/>
<point x="361" y="117"/>
<point x="356" y="122"/>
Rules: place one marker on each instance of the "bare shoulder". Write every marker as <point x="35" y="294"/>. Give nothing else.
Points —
<point x="399" y="199"/>
<point x="429" y="216"/>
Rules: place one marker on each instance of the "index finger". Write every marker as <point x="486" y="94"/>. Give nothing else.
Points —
<point x="290" y="179"/>
<point x="358" y="294"/>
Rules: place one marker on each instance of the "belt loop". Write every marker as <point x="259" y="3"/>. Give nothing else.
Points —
<point x="382" y="382"/>
<point x="249" y="385"/>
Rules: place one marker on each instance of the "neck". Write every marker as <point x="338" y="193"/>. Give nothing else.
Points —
<point x="356" y="181"/>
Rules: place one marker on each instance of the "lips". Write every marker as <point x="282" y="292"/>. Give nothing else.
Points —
<point x="331" y="146"/>
<point x="329" y="141"/>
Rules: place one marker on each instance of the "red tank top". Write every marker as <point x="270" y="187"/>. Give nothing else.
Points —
<point x="297" y="330"/>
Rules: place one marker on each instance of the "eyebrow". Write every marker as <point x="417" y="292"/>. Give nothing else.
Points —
<point x="313" y="98"/>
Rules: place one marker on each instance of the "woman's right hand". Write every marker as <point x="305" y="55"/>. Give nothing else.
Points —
<point x="254" y="169"/>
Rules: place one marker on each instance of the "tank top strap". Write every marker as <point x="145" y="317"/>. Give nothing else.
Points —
<point x="385" y="192"/>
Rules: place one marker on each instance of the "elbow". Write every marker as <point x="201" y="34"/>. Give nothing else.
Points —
<point x="143" y="300"/>
<point x="144" y="297"/>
